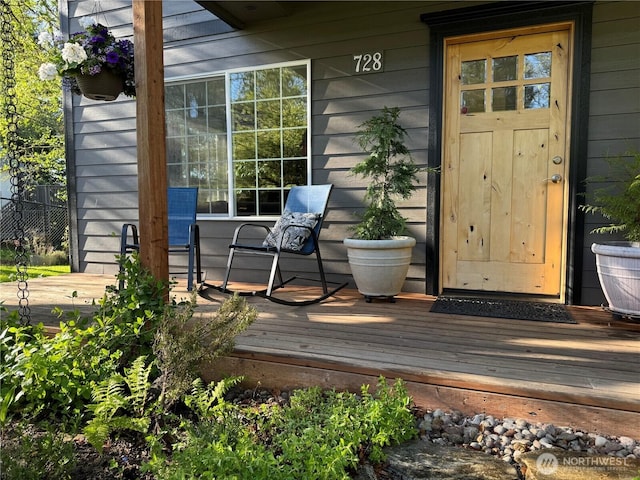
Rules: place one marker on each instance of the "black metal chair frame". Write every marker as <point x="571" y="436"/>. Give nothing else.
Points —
<point x="311" y="246"/>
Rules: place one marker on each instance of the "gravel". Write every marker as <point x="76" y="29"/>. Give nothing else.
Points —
<point x="509" y="438"/>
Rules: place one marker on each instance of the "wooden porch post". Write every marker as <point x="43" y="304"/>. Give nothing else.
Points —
<point x="150" y="127"/>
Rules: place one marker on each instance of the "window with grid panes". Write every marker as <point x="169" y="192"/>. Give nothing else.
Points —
<point x="241" y="137"/>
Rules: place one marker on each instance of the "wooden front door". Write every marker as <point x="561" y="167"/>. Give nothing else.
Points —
<point x="505" y="161"/>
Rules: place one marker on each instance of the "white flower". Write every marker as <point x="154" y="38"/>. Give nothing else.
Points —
<point x="73" y="53"/>
<point x="87" y="22"/>
<point x="57" y="36"/>
<point x="47" y="71"/>
<point x="45" y="39"/>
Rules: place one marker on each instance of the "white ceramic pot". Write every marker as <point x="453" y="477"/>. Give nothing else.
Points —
<point x="379" y="267"/>
<point x="618" y="265"/>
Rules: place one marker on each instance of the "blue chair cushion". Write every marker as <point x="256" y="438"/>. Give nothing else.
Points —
<point x="295" y="236"/>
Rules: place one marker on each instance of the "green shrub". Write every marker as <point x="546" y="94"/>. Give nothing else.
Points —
<point x="26" y="454"/>
<point x="320" y="435"/>
<point x="54" y="376"/>
<point x="619" y="200"/>
<point x="184" y="342"/>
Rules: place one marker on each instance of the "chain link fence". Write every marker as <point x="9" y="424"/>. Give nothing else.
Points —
<point x="45" y="219"/>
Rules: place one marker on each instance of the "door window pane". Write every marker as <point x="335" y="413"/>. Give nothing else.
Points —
<point x="473" y="72"/>
<point x="537" y="96"/>
<point x="473" y="101"/>
<point x="537" y="65"/>
<point x="503" y="98"/>
<point x="505" y="69"/>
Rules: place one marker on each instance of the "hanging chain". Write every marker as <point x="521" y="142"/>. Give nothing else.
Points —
<point x="11" y="153"/>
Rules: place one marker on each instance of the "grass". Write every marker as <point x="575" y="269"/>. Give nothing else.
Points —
<point x="8" y="272"/>
<point x="49" y="264"/>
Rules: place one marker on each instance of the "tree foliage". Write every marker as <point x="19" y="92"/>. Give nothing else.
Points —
<point x="40" y="141"/>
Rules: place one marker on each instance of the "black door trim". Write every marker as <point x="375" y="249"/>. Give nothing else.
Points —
<point x="500" y="16"/>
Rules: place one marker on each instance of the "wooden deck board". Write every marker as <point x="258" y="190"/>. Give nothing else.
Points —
<point x="587" y="372"/>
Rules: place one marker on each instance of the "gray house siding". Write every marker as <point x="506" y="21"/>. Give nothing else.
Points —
<point x="328" y="33"/>
<point x="614" y="108"/>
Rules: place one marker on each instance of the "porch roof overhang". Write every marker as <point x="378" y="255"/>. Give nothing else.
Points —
<point x="239" y="14"/>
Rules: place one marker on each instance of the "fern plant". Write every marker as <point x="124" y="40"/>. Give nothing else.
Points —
<point x="208" y="400"/>
<point x="619" y="200"/>
<point x="121" y="403"/>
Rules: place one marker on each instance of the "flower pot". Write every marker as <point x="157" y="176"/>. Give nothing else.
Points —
<point x="379" y="267"/>
<point x="618" y="266"/>
<point x="105" y="86"/>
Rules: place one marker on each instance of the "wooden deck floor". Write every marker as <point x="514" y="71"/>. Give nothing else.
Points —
<point x="586" y="375"/>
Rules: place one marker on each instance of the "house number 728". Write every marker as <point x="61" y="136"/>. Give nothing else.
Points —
<point x="368" y="62"/>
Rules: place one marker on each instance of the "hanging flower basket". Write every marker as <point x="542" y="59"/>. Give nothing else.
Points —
<point x="92" y="62"/>
<point x="105" y="86"/>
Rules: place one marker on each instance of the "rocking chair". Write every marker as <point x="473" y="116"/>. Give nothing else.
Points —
<point x="184" y="233"/>
<point x="296" y="233"/>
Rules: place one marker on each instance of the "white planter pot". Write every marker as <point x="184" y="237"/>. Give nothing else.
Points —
<point x="618" y="265"/>
<point x="379" y="267"/>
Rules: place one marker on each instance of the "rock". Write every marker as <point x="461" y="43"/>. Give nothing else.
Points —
<point x="560" y="465"/>
<point x="457" y="416"/>
<point x="425" y="425"/>
<point x="611" y="447"/>
<point x="546" y="443"/>
<point x="499" y="429"/>
<point x="567" y="436"/>
<point x="600" y="441"/>
<point x="453" y="433"/>
<point x="470" y="433"/>
<point x="420" y="461"/>
<point x="627" y="442"/>
<point x="436" y="424"/>
<point x="366" y="472"/>
<point x="477" y="419"/>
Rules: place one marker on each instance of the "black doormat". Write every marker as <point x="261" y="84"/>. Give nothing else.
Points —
<point x="515" y="309"/>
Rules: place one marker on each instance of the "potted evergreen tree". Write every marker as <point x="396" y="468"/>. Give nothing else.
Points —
<point x="618" y="262"/>
<point x="379" y="253"/>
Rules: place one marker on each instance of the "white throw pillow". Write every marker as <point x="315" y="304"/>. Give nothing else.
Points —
<point x="294" y="237"/>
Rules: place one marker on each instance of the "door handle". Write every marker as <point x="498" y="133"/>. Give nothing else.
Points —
<point x="555" y="178"/>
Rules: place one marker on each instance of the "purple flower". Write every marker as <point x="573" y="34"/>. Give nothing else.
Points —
<point x="112" y="58"/>
<point x="97" y="40"/>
